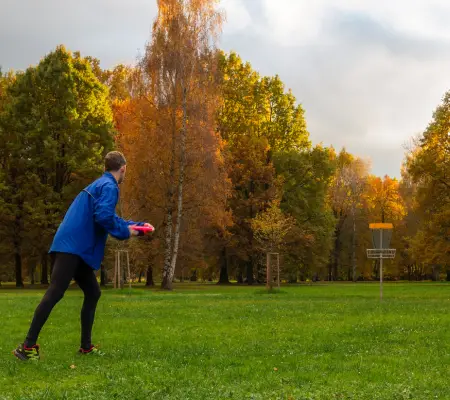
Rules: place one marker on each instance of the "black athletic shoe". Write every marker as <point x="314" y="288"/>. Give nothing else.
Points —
<point x="92" y="350"/>
<point x="27" y="353"/>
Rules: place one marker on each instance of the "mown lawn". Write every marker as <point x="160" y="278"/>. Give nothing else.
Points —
<point x="207" y="342"/>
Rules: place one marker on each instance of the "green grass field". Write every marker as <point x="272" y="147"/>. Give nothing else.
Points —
<point x="207" y="342"/>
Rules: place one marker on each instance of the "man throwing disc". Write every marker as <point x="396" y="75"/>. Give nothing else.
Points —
<point x="78" y="249"/>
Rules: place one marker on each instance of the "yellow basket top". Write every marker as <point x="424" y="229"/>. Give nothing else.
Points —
<point x="380" y="225"/>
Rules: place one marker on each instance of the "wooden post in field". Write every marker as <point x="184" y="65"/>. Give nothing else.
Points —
<point x="119" y="277"/>
<point x="268" y="272"/>
<point x="278" y="269"/>
<point x="129" y="272"/>
<point x="115" y="269"/>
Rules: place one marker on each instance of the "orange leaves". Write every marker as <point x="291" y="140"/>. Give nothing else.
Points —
<point x="384" y="200"/>
<point x="177" y="175"/>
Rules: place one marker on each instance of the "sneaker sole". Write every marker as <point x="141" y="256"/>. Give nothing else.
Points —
<point x="21" y="357"/>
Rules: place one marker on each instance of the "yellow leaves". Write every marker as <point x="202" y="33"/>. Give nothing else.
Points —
<point x="349" y="184"/>
<point x="271" y="226"/>
<point x="384" y="200"/>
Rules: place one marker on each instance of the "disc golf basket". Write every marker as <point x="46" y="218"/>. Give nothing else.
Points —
<point x="121" y="255"/>
<point x="381" y="240"/>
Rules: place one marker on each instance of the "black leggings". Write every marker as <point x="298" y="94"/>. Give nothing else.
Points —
<point x="66" y="268"/>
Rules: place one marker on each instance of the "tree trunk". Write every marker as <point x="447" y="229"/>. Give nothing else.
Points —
<point x="448" y="275"/>
<point x="52" y="263"/>
<point x="32" y="271"/>
<point x="223" y="276"/>
<point x="336" y="254"/>
<point x="180" y="187"/>
<point x="376" y="269"/>
<point x="166" y="282"/>
<point x="140" y="276"/>
<point x="239" y="277"/>
<point x="249" y="270"/>
<point x="18" y="247"/>
<point x="102" y="275"/>
<point x="435" y="273"/>
<point x="149" y="281"/>
<point x="193" y="277"/>
<point x="354" y="249"/>
<point x="260" y="269"/>
<point x="44" y="269"/>
<point x="169" y="270"/>
<point x="249" y="263"/>
<point x="269" y="273"/>
<point x="18" y="264"/>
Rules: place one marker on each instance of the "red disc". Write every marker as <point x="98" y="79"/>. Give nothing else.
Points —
<point x="144" y="229"/>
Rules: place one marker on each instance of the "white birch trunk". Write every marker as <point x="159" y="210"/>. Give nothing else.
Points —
<point x="180" y="190"/>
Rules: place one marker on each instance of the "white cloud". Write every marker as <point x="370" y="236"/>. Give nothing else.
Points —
<point x="238" y="17"/>
<point x="299" y="22"/>
<point x="369" y="73"/>
<point x="294" y="22"/>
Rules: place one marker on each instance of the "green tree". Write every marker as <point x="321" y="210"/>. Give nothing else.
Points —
<point x="341" y="206"/>
<point x="122" y="81"/>
<point x="306" y="179"/>
<point x="270" y="228"/>
<point x="259" y="107"/>
<point x="56" y="128"/>
<point x="257" y="119"/>
<point x="429" y="168"/>
<point x="355" y="177"/>
<point x="255" y="186"/>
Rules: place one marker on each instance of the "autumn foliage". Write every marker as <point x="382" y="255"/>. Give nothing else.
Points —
<point x="220" y="162"/>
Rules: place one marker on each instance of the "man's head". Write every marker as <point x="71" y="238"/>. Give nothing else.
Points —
<point x="116" y="164"/>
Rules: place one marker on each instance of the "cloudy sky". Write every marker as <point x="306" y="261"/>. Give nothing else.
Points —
<point x="369" y="73"/>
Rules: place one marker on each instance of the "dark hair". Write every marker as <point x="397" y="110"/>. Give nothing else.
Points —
<point x="114" y="160"/>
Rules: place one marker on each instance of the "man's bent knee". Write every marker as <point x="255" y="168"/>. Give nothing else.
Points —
<point x="53" y="295"/>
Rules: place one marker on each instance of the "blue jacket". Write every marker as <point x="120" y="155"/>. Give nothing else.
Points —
<point x="88" y="221"/>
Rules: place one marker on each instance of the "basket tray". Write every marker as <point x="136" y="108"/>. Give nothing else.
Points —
<point x="381" y="253"/>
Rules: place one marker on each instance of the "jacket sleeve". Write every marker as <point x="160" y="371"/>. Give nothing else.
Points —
<point x="129" y="223"/>
<point x="105" y="213"/>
